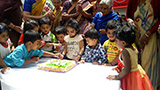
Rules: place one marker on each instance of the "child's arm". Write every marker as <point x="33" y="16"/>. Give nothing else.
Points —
<point x="34" y="59"/>
<point x="81" y="44"/>
<point x="5" y="67"/>
<point x="126" y="69"/>
<point x="58" y="55"/>
<point x="65" y="49"/>
<point x="49" y="44"/>
<point x="2" y="63"/>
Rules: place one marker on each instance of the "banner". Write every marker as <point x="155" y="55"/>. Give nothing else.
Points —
<point x="120" y="3"/>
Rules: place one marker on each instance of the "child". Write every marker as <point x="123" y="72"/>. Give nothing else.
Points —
<point x="28" y="25"/>
<point x="94" y="52"/>
<point x="132" y="76"/>
<point x="28" y="52"/>
<point x="74" y="45"/>
<point x="110" y="45"/>
<point x="48" y="37"/>
<point x="5" y="46"/>
<point x="60" y="33"/>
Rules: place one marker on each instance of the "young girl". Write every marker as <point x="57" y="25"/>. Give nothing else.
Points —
<point x="132" y="76"/>
<point x="5" y="45"/>
<point x="74" y="45"/>
<point x="28" y="25"/>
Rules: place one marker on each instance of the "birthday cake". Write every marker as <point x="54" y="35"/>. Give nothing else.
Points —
<point x="57" y="65"/>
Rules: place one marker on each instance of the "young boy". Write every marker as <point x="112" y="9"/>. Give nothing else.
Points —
<point x="48" y="37"/>
<point x="60" y="33"/>
<point x="110" y="45"/>
<point x="94" y="52"/>
<point x="28" y="52"/>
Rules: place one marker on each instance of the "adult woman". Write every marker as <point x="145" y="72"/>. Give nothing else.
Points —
<point x="10" y="13"/>
<point x="96" y="6"/>
<point x="80" y="10"/>
<point x="101" y="18"/>
<point x="37" y="9"/>
<point x="58" y="13"/>
<point x="146" y="16"/>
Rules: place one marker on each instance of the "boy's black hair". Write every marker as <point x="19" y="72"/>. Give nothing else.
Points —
<point x="60" y="30"/>
<point x="3" y="27"/>
<point x="31" y="36"/>
<point x="73" y="23"/>
<point x="112" y="24"/>
<point x="125" y="33"/>
<point x="44" y="20"/>
<point x="92" y="34"/>
<point x="30" y="24"/>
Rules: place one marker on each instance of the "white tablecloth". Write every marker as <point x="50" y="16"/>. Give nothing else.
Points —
<point x="82" y="77"/>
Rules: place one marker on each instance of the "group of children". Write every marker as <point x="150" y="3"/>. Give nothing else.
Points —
<point x="67" y="43"/>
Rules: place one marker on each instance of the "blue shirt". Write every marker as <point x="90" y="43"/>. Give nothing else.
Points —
<point x="101" y="21"/>
<point x="19" y="55"/>
<point x="97" y="54"/>
<point x="28" y="5"/>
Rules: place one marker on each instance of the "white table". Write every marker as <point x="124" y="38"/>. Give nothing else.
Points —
<point x="82" y="77"/>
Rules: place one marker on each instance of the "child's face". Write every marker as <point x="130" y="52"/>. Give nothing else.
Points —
<point x="110" y="34"/>
<point x="36" y="45"/>
<point x="56" y="3"/>
<point x="4" y="37"/>
<point x="119" y="43"/>
<point x="60" y="37"/>
<point x="105" y="9"/>
<point x="36" y="29"/>
<point x="45" y="28"/>
<point x="71" y="32"/>
<point x="91" y="42"/>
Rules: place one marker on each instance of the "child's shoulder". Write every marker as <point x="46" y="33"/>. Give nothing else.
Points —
<point x="21" y="47"/>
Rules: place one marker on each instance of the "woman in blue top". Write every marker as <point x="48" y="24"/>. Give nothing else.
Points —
<point x="101" y="18"/>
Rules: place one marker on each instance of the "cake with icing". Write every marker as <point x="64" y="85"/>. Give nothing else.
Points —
<point x="57" y="65"/>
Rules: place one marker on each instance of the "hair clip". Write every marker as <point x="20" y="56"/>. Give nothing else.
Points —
<point x="2" y="28"/>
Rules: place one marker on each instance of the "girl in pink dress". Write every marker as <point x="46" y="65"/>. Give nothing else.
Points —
<point x="131" y="75"/>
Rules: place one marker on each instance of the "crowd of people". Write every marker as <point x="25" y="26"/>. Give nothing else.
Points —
<point x="85" y="31"/>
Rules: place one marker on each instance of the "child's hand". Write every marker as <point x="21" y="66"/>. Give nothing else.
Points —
<point x="35" y="59"/>
<point x="95" y="63"/>
<point x="5" y="69"/>
<point x="102" y="31"/>
<point x="82" y="61"/>
<point x="106" y="64"/>
<point x="58" y="55"/>
<point x="57" y="46"/>
<point x="112" y="77"/>
<point x="77" y="58"/>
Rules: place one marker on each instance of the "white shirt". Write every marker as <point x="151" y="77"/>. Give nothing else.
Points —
<point x="73" y="47"/>
<point x="4" y="51"/>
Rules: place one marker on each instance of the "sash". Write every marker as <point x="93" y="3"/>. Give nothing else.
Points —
<point x="40" y="8"/>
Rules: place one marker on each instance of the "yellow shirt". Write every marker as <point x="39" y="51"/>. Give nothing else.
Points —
<point x="111" y="49"/>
